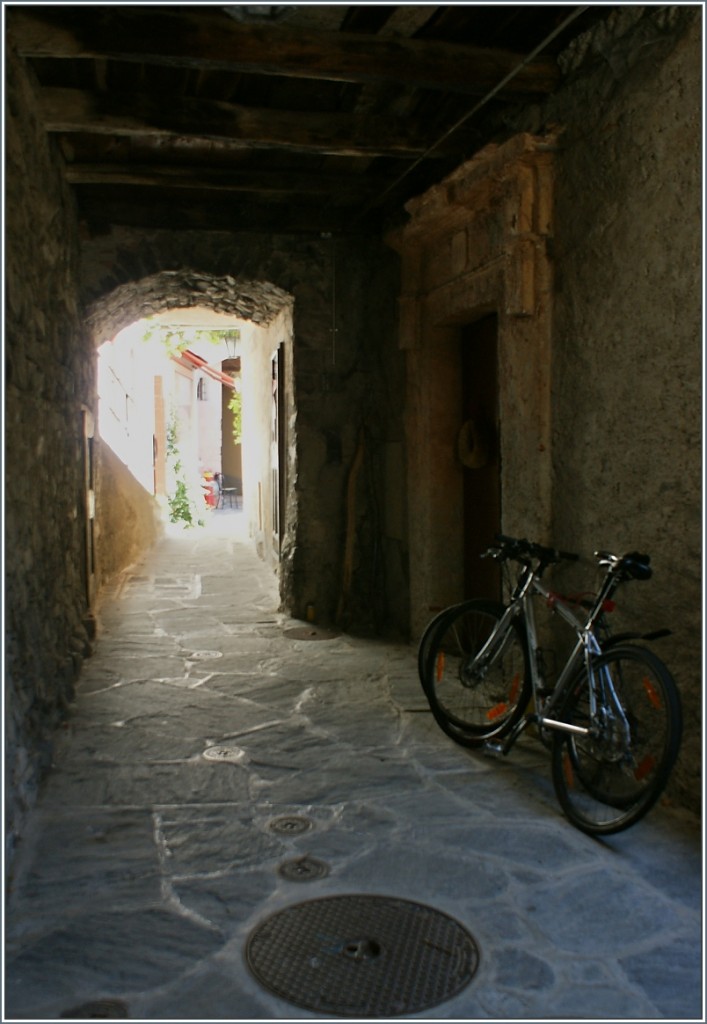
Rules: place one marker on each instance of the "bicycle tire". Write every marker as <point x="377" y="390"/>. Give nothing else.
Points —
<point x="473" y="704"/>
<point x="607" y="782"/>
<point x="423" y="648"/>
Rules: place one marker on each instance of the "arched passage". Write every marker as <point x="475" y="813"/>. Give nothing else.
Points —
<point x="343" y="376"/>
<point x="125" y="510"/>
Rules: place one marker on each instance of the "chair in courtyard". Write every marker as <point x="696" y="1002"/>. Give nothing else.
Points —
<point x="229" y="490"/>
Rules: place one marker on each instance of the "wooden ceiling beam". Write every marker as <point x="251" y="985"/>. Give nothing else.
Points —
<point x="96" y="211"/>
<point x="213" y="41"/>
<point x="76" y="110"/>
<point x="276" y="184"/>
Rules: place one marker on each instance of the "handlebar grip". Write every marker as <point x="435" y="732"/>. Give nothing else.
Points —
<point x="502" y="538"/>
<point x="521" y="546"/>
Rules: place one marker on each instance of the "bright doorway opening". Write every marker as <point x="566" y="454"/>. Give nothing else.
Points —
<point x="191" y="405"/>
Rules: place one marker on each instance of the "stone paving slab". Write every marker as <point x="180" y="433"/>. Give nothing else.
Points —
<point x="149" y="861"/>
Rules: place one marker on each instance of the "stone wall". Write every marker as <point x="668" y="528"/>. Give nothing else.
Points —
<point x="49" y="386"/>
<point x="627" y="344"/>
<point x="128" y="519"/>
<point x="344" y="409"/>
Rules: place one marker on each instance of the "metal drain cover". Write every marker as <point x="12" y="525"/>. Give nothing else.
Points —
<point x="290" y="825"/>
<point x="303" y="869"/>
<point x="311" y="633"/>
<point x="362" y="956"/>
<point x="231" y="755"/>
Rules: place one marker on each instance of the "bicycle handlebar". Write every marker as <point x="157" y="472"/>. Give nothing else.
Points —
<point x="632" y="565"/>
<point x="521" y="549"/>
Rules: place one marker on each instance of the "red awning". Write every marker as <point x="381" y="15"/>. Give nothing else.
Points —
<point x="192" y="359"/>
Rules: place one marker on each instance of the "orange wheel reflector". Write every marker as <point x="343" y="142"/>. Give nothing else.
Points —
<point x="439" y="667"/>
<point x="496" y="712"/>
<point x="653" y="695"/>
<point x="644" y="768"/>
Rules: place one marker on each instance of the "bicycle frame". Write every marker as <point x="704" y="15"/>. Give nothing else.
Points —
<point x="587" y="644"/>
<point x="529" y="586"/>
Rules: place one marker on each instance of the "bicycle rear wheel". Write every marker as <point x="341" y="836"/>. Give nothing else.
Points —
<point x="474" y="698"/>
<point x="610" y="779"/>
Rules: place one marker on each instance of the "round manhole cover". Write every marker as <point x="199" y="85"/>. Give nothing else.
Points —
<point x="311" y="633"/>
<point x="362" y="956"/>
<point x="228" y="755"/>
<point x="303" y="869"/>
<point x="289" y="825"/>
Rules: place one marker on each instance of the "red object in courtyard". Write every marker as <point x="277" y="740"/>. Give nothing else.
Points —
<point x="207" y="485"/>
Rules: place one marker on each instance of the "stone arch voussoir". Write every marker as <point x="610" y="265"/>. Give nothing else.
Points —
<point x="257" y="301"/>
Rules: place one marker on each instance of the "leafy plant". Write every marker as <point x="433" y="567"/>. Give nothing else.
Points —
<point x="235" y="404"/>
<point x="181" y="506"/>
<point x="176" y="339"/>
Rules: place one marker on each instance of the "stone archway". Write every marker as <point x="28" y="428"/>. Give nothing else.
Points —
<point x="476" y="244"/>
<point x="259" y="301"/>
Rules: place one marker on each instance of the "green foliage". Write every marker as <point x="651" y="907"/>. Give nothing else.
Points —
<point x="176" y="339"/>
<point x="235" y="404"/>
<point x="172" y="449"/>
<point x="181" y="507"/>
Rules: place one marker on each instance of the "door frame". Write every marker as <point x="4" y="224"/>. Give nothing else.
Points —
<point x="475" y="243"/>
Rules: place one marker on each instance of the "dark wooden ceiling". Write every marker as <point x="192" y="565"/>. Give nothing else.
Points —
<point x="314" y="118"/>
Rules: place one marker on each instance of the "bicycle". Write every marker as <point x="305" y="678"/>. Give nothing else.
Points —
<point x="612" y="718"/>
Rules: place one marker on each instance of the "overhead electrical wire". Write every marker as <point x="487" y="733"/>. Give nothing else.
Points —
<point x="482" y="102"/>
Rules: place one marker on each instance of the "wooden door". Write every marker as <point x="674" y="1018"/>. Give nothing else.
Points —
<point x="480" y="445"/>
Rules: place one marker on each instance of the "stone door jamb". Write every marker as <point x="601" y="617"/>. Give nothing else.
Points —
<point x="477" y="243"/>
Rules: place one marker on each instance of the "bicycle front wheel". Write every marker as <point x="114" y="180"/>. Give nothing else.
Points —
<point x="610" y="778"/>
<point x="475" y="675"/>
